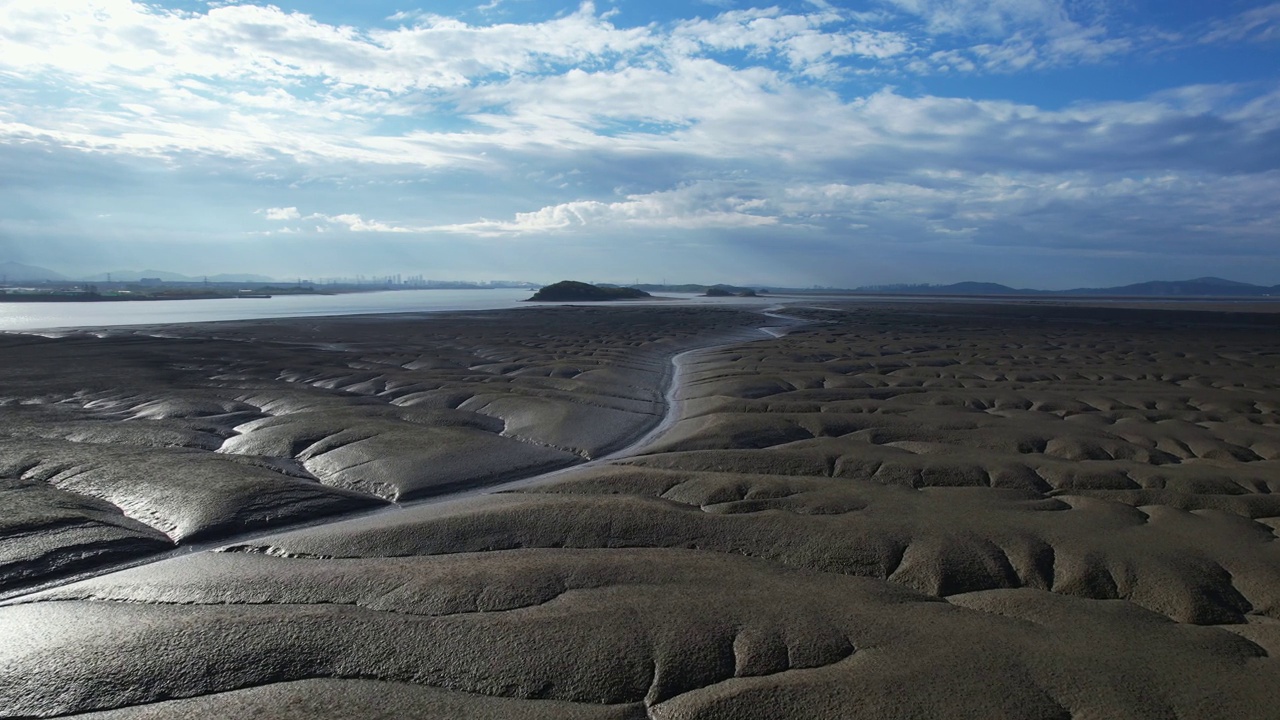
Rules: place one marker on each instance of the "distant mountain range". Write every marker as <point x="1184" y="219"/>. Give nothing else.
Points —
<point x="1210" y="287"/>
<point x="18" y="272"/>
<point x="136" y="275"/>
<point x="689" y="288"/>
<point x="1198" y="287"/>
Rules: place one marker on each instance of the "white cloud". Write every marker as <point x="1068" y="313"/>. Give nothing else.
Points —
<point x="984" y="17"/>
<point x="1030" y="33"/>
<point x="349" y="222"/>
<point x="139" y="45"/>
<point x="805" y="41"/>
<point x="1168" y="212"/>
<point x="694" y="207"/>
<point x="281" y="213"/>
<point x="1161" y="212"/>
<point x="746" y="119"/>
<point x="355" y="223"/>
<point x="256" y="83"/>
<point x="1260" y="24"/>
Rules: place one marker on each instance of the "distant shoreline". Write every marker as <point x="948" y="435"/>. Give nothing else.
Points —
<point x="49" y="298"/>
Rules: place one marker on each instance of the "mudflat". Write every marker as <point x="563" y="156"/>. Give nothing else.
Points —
<point x="897" y="511"/>
<point x="121" y="443"/>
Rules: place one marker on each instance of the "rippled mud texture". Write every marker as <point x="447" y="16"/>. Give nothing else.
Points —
<point x="899" y="512"/>
<point x="119" y="444"/>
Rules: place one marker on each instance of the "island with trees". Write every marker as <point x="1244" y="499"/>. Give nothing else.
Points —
<point x="574" y="291"/>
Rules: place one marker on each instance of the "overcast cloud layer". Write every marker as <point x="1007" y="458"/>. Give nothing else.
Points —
<point x="1047" y="143"/>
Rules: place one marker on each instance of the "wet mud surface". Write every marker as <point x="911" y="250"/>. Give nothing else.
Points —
<point x="897" y="511"/>
<point x="121" y="443"/>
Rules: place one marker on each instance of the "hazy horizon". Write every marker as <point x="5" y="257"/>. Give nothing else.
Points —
<point x="416" y="280"/>
<point x="1045" y="144"/>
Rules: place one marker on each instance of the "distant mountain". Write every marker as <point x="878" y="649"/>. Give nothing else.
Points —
<point x="685" y="288"/>
<point x="1198" y="287"/>
<point x="981" y="288"/>
<point x="17" y="272"/>
<point x="960" y="288"/>
<point x="688" y="288"/>
<point x="136" y="275"/>
<point x="239" y="277"/>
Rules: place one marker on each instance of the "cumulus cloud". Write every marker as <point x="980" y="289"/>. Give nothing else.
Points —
<point x="109" y="39"/>
<point x="812" y="121"/>
<point x="1059" y="210"/>
<point x="323" y="222"/>
<point x="353" y="222"/>
<point x="279" y="213"/>
<point x="804" y="40"/>
<point x="258" y="83"/>
<point x="694" y="207"/>
<point x="1190" y="212"/>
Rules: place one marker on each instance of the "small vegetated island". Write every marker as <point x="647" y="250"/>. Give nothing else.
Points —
<point x="573" y="291"/>
<point x="728" y="291"/>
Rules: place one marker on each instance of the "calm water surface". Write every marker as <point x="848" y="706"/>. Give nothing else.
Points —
<point x="42" y="316"/>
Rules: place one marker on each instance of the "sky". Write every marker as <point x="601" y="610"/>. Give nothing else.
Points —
<point x="1037" y="143"/>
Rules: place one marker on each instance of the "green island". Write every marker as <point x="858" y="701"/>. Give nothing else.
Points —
<point x="574" y="291"/>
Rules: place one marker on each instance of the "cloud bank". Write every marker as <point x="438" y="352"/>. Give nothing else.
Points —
<point x="899" y="137"/>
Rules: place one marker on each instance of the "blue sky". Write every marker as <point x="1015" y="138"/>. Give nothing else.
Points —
<point x="1042" y="143"/>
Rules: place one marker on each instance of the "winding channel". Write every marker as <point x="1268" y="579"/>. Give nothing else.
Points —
<point x="674" y="380"/>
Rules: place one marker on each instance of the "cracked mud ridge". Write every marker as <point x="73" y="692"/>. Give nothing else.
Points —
<point x="896" y="511"/>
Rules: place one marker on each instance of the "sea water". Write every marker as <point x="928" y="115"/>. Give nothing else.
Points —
<point x="49" y="315"/>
